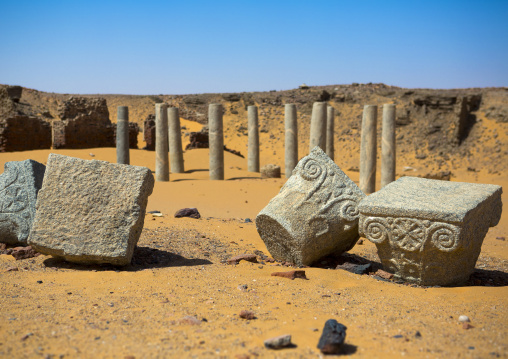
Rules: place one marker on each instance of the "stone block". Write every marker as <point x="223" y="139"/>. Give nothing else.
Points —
<point x="430" y="232"/>
<point x="19" y="185"/>
<point x="90" y="211"/>
<point x="315" y="213"/>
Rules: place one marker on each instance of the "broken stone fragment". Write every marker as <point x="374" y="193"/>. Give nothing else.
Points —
<point x="279" y="342"/>
<point x="270" y="171"/>
<point x="188" y="212"/>
<point x="19" y="186"/>
<point x="332" y="338"/>
<point x="90" y="211"/>
<point x="243" y="257"/>
<point x="291" y="274"/>
<point x="430" y="232"/>
<point x="315" y="213"/>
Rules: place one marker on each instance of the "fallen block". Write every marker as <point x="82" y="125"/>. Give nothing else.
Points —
<point x="19" y="185"/>
<point x="315" y="213"/>
<point x="430" y="232"/>
<point x="90" y="211"/>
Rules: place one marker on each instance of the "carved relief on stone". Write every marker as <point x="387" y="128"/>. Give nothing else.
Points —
<point x="18" y="192"/>
<point x="316" y="211"/>
<point x="411" y="234"/>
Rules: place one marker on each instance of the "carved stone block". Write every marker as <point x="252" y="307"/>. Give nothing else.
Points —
<point x="90" y="211"/>
<point x="430" y="232"/>
<point x="315" y="213"/>
<point x="19" y="185"/>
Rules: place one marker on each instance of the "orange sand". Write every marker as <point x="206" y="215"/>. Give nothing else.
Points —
<point x="80" y="312"/>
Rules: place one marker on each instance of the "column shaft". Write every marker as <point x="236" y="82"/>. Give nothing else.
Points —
<point x="161" y="143"/>
<point x="368" y="150"/>
<point x="122" y="135"/>
<point x="291" y="140"/>
<point x="318" y="126"/>
<point x="175" y="141"/>
<point x="388" y="145"/>
<point x="330" y="122"/>
<point x="253" y="146"/>
<point x="216" y="141"/>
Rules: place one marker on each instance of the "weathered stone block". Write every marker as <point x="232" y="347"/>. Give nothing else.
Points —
<point x="314" y="214"/>
<point x="430" y="232"/>
<point x="19" y="185"/>
<point x="90" y="211"/>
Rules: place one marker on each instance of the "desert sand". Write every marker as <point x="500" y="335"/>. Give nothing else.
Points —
<point x="54" y="309"/>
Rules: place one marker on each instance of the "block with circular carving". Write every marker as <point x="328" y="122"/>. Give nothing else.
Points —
<point x="315" y="213"/>
<point x="90" y="211"/>
<point x="430" y="232"/>
<point x="19" y="184"/>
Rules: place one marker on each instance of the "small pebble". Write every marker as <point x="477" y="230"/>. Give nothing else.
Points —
<point x="280" y="342"/>
<point x="247" y="314"/>
<point x="464" y="319"/>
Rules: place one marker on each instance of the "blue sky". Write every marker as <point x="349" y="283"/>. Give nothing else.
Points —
<point x="179" y="47"/>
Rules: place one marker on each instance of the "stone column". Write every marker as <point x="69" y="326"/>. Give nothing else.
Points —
<point x="161" y="142"/>
<point x="330" y="149"/>
<point x="175" y="141"/>
<point x="368" y="150"/>
<point x="388" y="145"/>
<point x="122" y="135"/>
<point x="291" y="141"/>
<point x="216" y="141"/>
<point x="253" y="154"/>
<point x="318" y="126"/>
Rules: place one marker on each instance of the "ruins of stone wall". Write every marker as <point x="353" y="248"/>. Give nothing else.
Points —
<point x="24" y="133"/>
<point x="84" y="123"/>
<point x="149" y="132"/>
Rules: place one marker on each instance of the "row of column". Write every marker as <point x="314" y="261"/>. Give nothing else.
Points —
<point x="168" y="139"/>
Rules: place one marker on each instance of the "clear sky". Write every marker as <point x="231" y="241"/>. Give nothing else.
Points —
<point x="191" y="46"/>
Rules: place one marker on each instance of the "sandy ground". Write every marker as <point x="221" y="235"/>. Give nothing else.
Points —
<point x="53" y="309"/>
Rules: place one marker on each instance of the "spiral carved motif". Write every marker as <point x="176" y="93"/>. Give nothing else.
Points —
<point x="376" y="230"/>
<point x="444" y="237"/>
<point x="349" y="210"/>
<point x="311" y="169"/>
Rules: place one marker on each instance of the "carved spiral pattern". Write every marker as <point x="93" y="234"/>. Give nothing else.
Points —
<point x="376" y="230"/>
<point x="311" y="169"/>
<point x="444" y="237"/>
<point x="349" y="210"/>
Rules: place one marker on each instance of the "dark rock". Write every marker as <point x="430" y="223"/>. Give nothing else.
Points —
<point x="279" y="342"/>
<point x="149" y="132"/>
<point x="442" y="175"/>
<point x="245" y="257"/>
<point x="24" y="253"/>
<point x="332" y="338"/>
<point x="232" y="97"/>
<point x="247" y="314"/>
<point x="15" y="92"/>
<point x="188" y="212"/>
<point x="291" y="274"/>
<point x="356" y="268"/>
<point x="248" y="220"/>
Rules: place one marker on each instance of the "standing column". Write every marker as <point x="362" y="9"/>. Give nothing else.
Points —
<point x="368" y="150"/>
<point x="318" y="126"/>
<point x="216" y="141"/>
<point x="330" y="121"/>
<point x="253" y="151"/>
<point x="175" y="141"/>
<point x="161" y="142"/>
<point x="291" y="141"/>
<point x="122" y="135"/>
<point x="388" y="145"/>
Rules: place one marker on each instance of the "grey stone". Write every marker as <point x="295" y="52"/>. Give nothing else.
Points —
<point x="291" y="139"/>
<point x="175" y="141"/>
<point x="368" y="150"/>
<point x="253" y="148"/>
<point x="315" y="213"/>
<point x="216" y="141"/>
<point x="122" y="135"/>
<point x="279" y="342"/>
<point x="388" y="151"/>
<point x="90" y="211"/>
<point x="19" y="185"/>
<point x="161" y="143"/>
<point x="330" y="124"/>
<point x="430" y="232"/>
<point x="318" y="126"/>
<point x="270" y="171"/>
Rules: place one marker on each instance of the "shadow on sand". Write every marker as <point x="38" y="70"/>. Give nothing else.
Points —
<point x="144" y="258"/>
